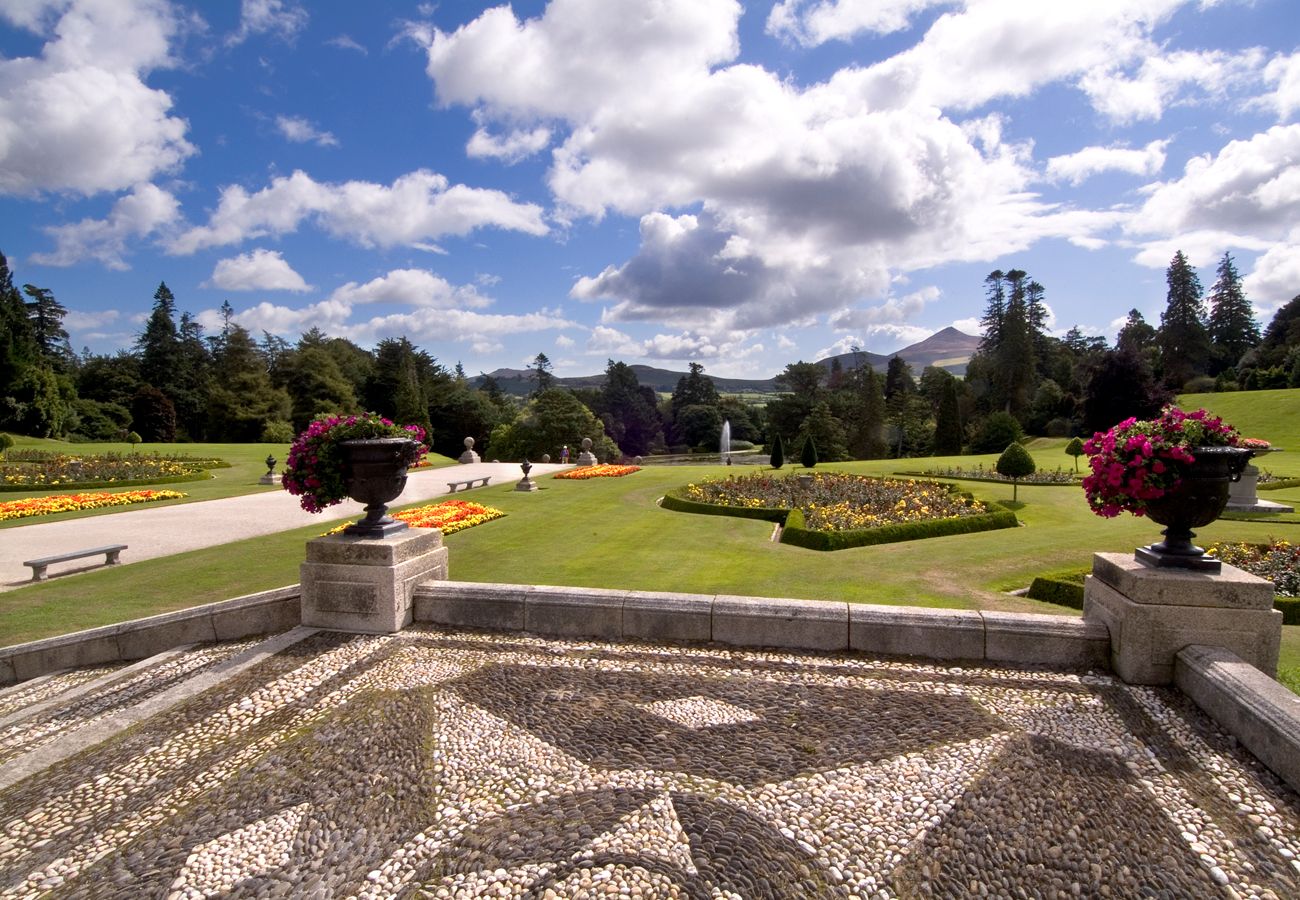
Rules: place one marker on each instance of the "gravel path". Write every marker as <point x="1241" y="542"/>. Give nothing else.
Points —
<point x="444" y="764"/>
<point x="161" y="531"/>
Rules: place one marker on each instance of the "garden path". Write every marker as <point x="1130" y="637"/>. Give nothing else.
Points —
<point x="164" y="530"/>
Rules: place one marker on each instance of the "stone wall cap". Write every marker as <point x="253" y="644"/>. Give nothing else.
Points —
<point x="1231" y="588"/>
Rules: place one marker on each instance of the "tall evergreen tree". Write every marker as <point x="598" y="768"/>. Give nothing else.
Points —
<point x="1183" y="339"/>
<point x="628" y="411"/>
<point x="18" y="347"/>
<point x="46" y="316"/>
<point x="540" y="373"/>
<point x="1136" y="335"/>
<point x="898" y="378"/>
<point x="947" y="427"/>
<point x="995" y="310"/>
<point x="1232" y="328"/>
<point x="159" y="343"/>
<point x="860" y="405"/>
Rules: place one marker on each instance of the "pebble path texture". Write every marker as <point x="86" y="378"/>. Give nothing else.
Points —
<point x="440" y="764"/>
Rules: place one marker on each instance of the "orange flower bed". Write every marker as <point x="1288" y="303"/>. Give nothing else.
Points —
<point x="604" y="470"/>
<point x="44" y="506"/>
<point x="449" y="516"/>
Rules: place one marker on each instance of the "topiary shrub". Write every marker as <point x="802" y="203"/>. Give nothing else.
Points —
<point x="778" y="453"/>
<point x="1015" y="463"/>
<point x="1075" y="449"/>
<point x="5" y="442"/>
<point x="808" y="458"/>
<point x="133" y="439"/>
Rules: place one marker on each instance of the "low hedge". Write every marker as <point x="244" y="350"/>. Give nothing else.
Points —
<point x="796" y="534"/>
<point x="1067" y="590"/>
<point x="1290" y="609"/>
<point x="1063" y="590"/>
<point x="1278" y="485"/>
<point x="65" y="486"/>
<point x="675" y="501"/>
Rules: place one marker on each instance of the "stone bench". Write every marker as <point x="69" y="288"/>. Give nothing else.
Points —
<point x="39" y="566"/>
<point x="453" y="486"/>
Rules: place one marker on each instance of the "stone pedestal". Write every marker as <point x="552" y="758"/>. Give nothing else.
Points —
<point x="366" y="584"/>
<point x="526" y="484"/>
<point x="270" y="479"/>
<point x="1243" y="495"/>
<point x="1154" y="613"/>
<point x="469" y="456"/>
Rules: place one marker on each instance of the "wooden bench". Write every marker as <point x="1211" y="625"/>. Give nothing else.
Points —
<point x="453" y="486"/>
<point x="110" y="552"/>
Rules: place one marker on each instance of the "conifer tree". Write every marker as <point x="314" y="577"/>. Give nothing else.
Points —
<point x="778" y="452"/>
<point x="1233" y="329"/>
<point x="1183" y="340"/>
<point x="947" y="427"/>
<point x="808" y="457"/>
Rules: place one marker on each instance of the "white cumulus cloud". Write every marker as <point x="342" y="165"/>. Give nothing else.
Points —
<point x="143" y="211"/>
<point x="412" y="287"/>
<point x="79" y="117"/>
<point x="277" y="17"/>
<point x="415" y="208"/>
<point x="260" y="270"/>
<point x="1081" y="165"/>
<point x="814" y="22"/>
<point x="302" y="131"/>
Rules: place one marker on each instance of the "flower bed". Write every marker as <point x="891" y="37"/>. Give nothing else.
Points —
<point x="604" y="470"/>
<point x="449" y="516"/>
<point x="979" y="473"/>
<point x="836" y="511"/>
<point x="1278" y="561"/>
<point x="44" y="506"/>
<point x="23" y="470"/>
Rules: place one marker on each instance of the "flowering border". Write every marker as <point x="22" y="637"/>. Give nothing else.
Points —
<point x="48" y="506"/>
<point x="449" y="516"/>
<point x="604" y="470"/>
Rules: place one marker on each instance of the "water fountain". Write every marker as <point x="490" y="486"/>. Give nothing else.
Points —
<point x="724" y="446"/>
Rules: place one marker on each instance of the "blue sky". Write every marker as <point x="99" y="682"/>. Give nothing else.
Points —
<point x="654" y="181"/>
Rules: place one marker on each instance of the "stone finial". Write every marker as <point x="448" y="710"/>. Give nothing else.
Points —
<point x="469" y="443"/>
<point x="469" y="456"/>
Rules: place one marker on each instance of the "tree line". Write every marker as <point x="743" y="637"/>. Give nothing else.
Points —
<point x="178" y="383"/>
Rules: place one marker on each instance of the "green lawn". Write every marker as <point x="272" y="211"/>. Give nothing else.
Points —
<point x="610" y="533"/>
<point x="1271" y="415"/>
<point x="247" y="465"/>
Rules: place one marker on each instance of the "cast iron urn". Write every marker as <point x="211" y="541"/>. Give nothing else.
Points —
<point x="374" y="470"/>
<point x="1196" y="501"/>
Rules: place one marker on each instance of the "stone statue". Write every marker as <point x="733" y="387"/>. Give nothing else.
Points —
<point x="586" y="457"/>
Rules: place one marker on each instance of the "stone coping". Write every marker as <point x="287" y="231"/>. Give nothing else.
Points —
<point x="1261" y="713"/>
<point x="1064" y="642"/>
<point x="254" y="614"/>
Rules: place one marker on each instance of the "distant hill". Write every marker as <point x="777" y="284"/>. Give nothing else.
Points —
<point x="948" y="349"/>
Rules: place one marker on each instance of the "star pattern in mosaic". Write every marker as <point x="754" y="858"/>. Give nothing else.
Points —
<point x="438" y="764"/>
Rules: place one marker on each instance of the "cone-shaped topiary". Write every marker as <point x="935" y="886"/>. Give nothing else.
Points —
<point x="809" y="455"/>
<point x="778" y="453"/>
<point x="1015" y="463"/>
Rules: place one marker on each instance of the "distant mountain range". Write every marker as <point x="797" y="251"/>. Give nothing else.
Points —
<point x="948" y="349"/>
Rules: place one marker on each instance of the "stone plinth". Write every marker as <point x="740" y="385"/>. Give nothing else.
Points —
<point x="1243" y="495"/>
<point x="270" y="478"/>
<point x="367" y="584"/>
<point x="1152" y="614"/>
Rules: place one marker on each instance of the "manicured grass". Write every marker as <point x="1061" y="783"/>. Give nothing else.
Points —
<point x="247" y="465"/>
<point x="609" y="533"/>
<point x="1271" y="415"/>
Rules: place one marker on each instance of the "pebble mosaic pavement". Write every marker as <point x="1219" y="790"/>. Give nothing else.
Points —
<point x="452" y="764"/>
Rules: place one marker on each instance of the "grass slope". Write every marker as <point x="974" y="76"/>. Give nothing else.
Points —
<point x="1271" y="415"/>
